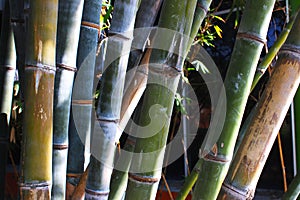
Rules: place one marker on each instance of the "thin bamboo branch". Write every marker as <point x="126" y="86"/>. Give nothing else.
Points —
<point x="293" y="191"/>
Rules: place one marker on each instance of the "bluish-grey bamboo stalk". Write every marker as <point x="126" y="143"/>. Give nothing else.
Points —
<point x="7" y="74"/>
<point x="110" y="99"/>
<point x="165" y="67"/>
<point x="38" y="100"/>
<point x="69" y="20"/>
<point x="82" y="98"/>
<point x="250" y="40"/>
<point x="135" y="84"/>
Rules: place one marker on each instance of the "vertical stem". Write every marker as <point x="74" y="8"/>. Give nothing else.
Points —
<point x="38" y="99"/>
<point x="69" y="20"/>
<point x="82" y="97"/>
<point x="250" y="40"/>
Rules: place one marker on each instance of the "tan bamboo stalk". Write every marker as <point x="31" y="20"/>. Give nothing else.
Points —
<point x="217" y="151"/>
<point x="248" y="163"/>
<point x="39" y="85"/>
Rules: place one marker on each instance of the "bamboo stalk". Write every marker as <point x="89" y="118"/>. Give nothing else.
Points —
<point x="293" y="191"/>
<point x="82" y="97"/>
<point x="135" y="84"/>
<point x="69" y="20"/>
<point x="109" y="103"/>
<point x="248" y="163"/>
<point x="38" y="99"/>
<point x="250" y="40"/>
<point x="7" y="73"/>
<point x="146" y="170"/>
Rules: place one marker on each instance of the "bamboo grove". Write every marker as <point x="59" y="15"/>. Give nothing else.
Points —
<point x="81" y="85"/>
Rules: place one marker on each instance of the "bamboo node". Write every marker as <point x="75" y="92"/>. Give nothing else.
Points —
<point x="236" y="192"/>
<point x="252" y="36"/>
<point x="143" y="179"/>
<point x="96" y="193"/>
<point x="90" y="25"/>
<point x="288" y="48"/>
<point x="41" y="66"/>
<point x="60" y="146"/>
<point x="199" y="5"/>
<point x="65" y="67"/>
<point x="17" y="20"/>
<point x="7" y="67"/>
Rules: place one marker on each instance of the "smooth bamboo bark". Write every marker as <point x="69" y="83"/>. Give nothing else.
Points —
<point x="7" y="73"/>
<point x="109" y="103"/>
<point x="250" y="40"/>
<point x="293" y="191"/>
<point x="164" y="73"/>
<point x="38" y="100"/>
<point x="249" y="161"/>
<point x="69" y="20"/>
<point x="82" y="98"/>
<point x="135" y="84"/>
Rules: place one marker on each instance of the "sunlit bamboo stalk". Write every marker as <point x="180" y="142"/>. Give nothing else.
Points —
<point x="69" y="20"/>
<point x="248" y="163"/>
<point x="38" y="99"/>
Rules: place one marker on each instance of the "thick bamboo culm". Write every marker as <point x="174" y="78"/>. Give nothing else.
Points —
<point x="109" y="103"/>
<point x="69" y="20"/>
<point x="82" y="97"/>
<point x="38" y="100"/>
<point x="7" y="74"/>
<point x="250" y="40"/>
<point x="158" y="100"/>
<point x="248" y="163"/>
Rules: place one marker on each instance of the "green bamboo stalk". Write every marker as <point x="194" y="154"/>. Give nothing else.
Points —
<point x="146" y="170"/>
<point x="69" y="20"/>
<point x="293" y="190"/>
<point x="109" y="103"/>
<point x="199" y="15"/>
<point x="135" y="84"/>
<point x="248" y="163"/>
<point x="250" y="40"/>
<point x="81" y="112"/>
<point x="7" y="73"/>
<point x="38" y="99"/>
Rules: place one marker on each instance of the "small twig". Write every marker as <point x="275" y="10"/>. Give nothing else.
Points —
<point x="282" y="163"/>
<point x="167" y="186"/>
